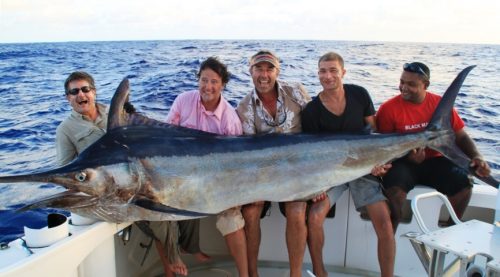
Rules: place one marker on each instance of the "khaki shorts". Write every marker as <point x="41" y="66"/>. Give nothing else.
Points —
<point x="230" y="221"/>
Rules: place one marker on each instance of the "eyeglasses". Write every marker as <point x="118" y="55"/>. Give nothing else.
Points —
<point x="84" y="89"/>
<point x="415" y="68"/>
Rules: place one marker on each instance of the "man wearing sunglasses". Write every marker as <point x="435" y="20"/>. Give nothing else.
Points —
<point x="411" y="111"/>
<point x="273" y="106"/>
<point x="85" y="125"/>
<point x="87" y="121"/>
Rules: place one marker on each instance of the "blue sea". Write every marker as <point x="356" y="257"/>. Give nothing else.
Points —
<point x="33" y="104"/>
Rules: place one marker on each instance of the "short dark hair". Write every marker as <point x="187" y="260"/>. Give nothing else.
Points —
<point x="217" y="66"/>
<point x="332" y="56"/>
<point x="78" y="75"/>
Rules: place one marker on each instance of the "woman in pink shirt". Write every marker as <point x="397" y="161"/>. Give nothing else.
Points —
<point x="206" y="109"/>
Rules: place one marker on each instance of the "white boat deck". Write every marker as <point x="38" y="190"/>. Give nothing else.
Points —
<point x="222" y="266"/>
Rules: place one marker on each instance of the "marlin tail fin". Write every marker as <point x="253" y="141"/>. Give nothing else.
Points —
<point x="441" y="121"/>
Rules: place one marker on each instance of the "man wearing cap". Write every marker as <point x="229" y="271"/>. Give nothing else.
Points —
<point x="411" y="111"/>
<point x="273" y="106"/>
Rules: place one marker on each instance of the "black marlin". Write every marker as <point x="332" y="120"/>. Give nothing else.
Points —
<point x="143" y="169"/>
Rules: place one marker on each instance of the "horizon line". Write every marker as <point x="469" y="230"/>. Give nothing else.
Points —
<point x="249" y="39"/>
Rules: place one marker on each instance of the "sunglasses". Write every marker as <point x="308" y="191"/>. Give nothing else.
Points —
<point x="415" y="68"/>
<point x="84" y="89"/>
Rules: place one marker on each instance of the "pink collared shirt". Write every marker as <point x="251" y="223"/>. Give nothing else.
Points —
<point x="188" y="111"/>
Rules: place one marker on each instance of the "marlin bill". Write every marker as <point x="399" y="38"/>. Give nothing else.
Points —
<point x="142" y="169"/>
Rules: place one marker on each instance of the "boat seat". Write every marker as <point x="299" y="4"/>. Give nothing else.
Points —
<point x="273" y="244"/>
<point x="362" y="235"/>
<point x="465" y="240"/>
<point x="493" y="268"/>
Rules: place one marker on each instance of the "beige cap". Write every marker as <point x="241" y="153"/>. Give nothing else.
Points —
<point x="265" y="56"/>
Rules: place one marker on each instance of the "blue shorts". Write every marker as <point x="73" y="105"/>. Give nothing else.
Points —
<point x="365" y="190"/>
<point x="439" y="173"/>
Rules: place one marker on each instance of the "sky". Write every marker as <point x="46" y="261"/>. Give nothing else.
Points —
<point x="448" y="21"/>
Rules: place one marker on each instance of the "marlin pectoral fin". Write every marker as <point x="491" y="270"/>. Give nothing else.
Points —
<point x="452" y="152"/>
<point x="155" y="206"/>
<point x="63" y="200"/>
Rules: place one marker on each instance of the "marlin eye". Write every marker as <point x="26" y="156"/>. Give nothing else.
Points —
<point x="81" y="176"/>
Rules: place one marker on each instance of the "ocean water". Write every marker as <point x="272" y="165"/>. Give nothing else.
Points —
<point x="33" y="104"/>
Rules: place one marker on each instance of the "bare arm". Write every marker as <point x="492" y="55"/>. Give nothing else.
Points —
<point x="466" y="144"/>
<point x="371" y="121"/>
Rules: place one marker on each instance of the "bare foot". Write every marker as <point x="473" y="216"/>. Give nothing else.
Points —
<point x="323" y="273"/>
<point x="179" y="268"/>
<point x="202" y="257"/>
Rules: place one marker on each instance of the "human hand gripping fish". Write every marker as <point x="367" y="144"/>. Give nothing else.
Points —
<point x="381" y="170"/>
<point x="378" y="170"/>
<point x="416" y="155"/>
<point x="480" y="166"/>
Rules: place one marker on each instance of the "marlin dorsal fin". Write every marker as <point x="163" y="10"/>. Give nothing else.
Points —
<point x="116" y="117"/>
